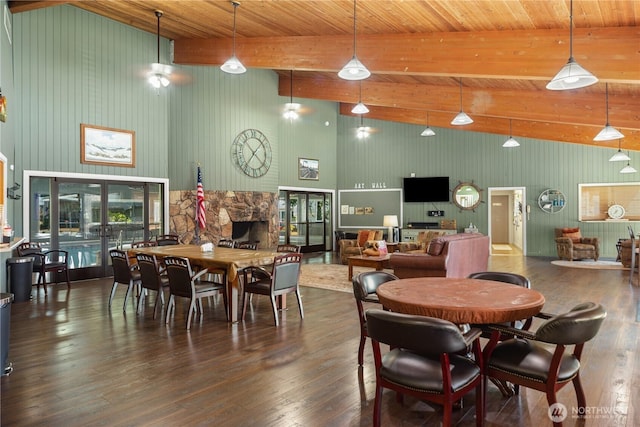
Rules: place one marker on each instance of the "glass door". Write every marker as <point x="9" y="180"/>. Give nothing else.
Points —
<point x="305" y="220"/>
<point x="92" y="217"/>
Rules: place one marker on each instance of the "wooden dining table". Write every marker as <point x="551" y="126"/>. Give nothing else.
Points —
<point x="461" y="300"/>
<point x="230" y="260"/>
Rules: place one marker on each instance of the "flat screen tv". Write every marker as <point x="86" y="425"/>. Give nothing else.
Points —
<point x="426" y="189"/>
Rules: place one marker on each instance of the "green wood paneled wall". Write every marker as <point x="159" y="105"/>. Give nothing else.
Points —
<point x="395" y="150"/>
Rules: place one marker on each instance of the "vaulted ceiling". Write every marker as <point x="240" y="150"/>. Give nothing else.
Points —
<point x="504" y="52"/>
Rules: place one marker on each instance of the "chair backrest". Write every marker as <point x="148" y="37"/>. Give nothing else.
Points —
<point x="121" y="266"/>
<point x="144" y="244"/>
<point x="149" y="271"/>
<point x="289" y="249"/>
<point x="500" y="276"/>
<point x="29" y="248"/>
<point x="421" y="334"/>
<point x="366" y="283"/>
<point x="286" y="271"/>
<point x="577" y="326"/>
<point x="167" y="239"/>
<point x="248" y="245"/>
<point x="224" y="243"/>
<point x="179" y="273"/>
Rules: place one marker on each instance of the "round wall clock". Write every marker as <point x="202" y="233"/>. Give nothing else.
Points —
<point x="251" y="153"/>
<point x="615" y="211"/>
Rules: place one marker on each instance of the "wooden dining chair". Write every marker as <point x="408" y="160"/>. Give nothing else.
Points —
<point x="225" y="243"/>
<point x="144" y="244"/>
<point x="52" y="261"/>
<point x="124" y="273"/>
<point x="185" y="283"/>
<point x="364" y="291"/>
<point x="252" y="246"/>
<point x="282" y="279"/>
<point x="539" y="360"/>
<point x="289" y="249"/>
<point x="167" y="239"/>
<point x="152" y="278"/>
<point x="428" y="359"/>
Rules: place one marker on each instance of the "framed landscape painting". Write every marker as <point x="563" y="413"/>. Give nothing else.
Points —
<point x="107" y="146"/>
<point x="308" y="169"/>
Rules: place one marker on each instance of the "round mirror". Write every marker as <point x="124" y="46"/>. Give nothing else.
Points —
<point x="466" y="196"/>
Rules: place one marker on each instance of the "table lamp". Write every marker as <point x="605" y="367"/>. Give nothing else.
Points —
<point x="390" y="221"/>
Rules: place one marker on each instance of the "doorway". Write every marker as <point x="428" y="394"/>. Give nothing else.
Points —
<point x="87" y="217"/>
<point x="305" y="219"/>
<point x="507" y="220"/>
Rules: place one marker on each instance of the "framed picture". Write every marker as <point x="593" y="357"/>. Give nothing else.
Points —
<point x="107" y="146"/>
<point x="308" y="169"/>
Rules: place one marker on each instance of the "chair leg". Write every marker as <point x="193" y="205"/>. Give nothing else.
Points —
<point x="582" y="401"/>
<point x="113" y="292"/>
<point x="244" y="304"/>
<point x="139" y="307"/>
<point x="126" y="296"/>
<point x="361" y="349"/>
<point x="66" y="272"/>
<point x="274" y="308"/>
<point x="480" y="404"/>
<point x="377" y="407"/>
<point x="299" y="298"/>
<point x="192" y="308"/>
<point x="170" y="307"/>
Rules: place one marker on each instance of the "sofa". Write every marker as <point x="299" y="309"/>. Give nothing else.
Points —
<point x="351" y="247"/>
<point x="421" y="243"/>
<point x="452" y="255"/>
<point x="572" y="246"/>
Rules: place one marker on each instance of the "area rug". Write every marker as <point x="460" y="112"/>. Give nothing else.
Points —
<point x="329" y="276"/>
<point x="585" y="263"/>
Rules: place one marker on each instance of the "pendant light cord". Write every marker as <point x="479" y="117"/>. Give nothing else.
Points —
<point x="158" y="14"/>
<point x="354" y="27"/>
<point x="510" y="132"/>
<point x="235" y="7"/>
<point x="571" y="29"/>
<point x="606" y="97"/>
<point x="291" y="86"/>
<point x="460" y="93"/>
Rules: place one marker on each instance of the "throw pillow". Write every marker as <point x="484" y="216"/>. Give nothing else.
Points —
<point x="572" y="233"/>
<point x="436" y="246"/>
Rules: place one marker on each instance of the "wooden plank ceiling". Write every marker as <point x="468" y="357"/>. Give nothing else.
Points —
<point x="503" y="51"/>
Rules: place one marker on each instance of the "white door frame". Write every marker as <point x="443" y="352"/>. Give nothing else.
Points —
<point x="523" y="229"/>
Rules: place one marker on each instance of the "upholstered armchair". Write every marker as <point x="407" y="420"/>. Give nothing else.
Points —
<point x="351" y="247"/>
<point x="572" y="246"/>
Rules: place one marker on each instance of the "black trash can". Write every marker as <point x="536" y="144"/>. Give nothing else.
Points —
<point x="19" y="273"/>
<point x="5" y="317"/>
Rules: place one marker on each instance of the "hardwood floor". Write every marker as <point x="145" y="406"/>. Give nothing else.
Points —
<point x="77" y="363"/>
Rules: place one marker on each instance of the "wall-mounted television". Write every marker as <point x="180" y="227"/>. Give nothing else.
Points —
<point x="426" y="189"/>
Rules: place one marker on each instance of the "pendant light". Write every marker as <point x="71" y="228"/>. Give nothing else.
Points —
<point x="159" y="75"/>
<point x="628" y="168"/>
<point x="233" y="64"/>
<point x="360" y="108"/>
<point x="462" y="118"/>
<point x="608" y="132"/>
<point x="291" y="108"/>
<point x="572" y="75"/>
<point x="619" y="156"/>
<point x="363" y="131"/>
<point x="511" y="142"/>
<point x="428" y="131"/>
<point x="354" y="69"/>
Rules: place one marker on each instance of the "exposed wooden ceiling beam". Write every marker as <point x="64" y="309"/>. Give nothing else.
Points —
<point x="610" y="53"/>
<point x="26" y="6"/>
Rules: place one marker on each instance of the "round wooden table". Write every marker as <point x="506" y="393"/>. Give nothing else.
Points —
<point x="460" y="300"/>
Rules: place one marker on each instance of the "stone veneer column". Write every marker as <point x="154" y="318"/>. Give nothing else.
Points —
<point x="222" y="209"/>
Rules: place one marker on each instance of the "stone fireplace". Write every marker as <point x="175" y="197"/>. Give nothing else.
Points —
<point x="237" y="215"/>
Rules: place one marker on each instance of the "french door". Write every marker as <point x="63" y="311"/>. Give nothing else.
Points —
<point x="87" y="218"/>
<point x="305" y="220"/>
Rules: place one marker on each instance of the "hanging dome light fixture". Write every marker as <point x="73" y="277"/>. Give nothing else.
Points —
<point x="619" y="156"/>
<point x="354" y="69"/>
<point x="608" y="132"/>
<point x="428" y="131"/>
<point x="462" y="118"/>
<point x="233" y="64"/>
<point x="511" y="142"/>
<point x="360" y="108"/>
<point x="572" y="75"/>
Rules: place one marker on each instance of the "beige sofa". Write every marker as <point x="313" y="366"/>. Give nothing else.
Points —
<point x="453" y="255"/>
<point x="421" y="244"/>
